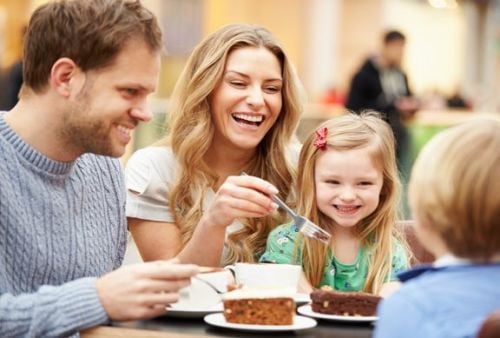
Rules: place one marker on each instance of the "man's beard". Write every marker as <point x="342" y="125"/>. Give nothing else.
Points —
<point x="84" y="133"/>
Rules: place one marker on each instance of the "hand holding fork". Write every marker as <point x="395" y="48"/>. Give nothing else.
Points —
<point x="304" y="225"/>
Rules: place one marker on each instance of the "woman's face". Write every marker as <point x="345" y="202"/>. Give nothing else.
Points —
<point x="247" y="101"/>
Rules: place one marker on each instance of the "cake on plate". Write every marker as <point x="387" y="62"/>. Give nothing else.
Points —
<point x="259" y="306"/>
<point x="344" y="303"/>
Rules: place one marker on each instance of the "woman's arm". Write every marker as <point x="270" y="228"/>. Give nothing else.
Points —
<point x="162" y="240"/>
<point x="238" y="197"/>
<point x="155" y="240"/>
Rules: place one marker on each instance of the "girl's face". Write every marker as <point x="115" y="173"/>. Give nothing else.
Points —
<point x="348" y="185"/>
<point x="248" y="100"/>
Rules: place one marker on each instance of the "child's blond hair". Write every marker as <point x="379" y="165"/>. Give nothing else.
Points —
<point x="377" y="231"/>
<point x="455" y="189"/>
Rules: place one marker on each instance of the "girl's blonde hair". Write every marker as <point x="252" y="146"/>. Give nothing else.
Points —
<point x="454" y="189"/>
<point x="377" y="231"/>
<point x="191" y="131"/>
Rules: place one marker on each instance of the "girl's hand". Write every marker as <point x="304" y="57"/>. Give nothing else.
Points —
<point x="240" y="197"/>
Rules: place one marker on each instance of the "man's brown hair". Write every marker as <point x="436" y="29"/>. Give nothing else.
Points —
<point x="90" y="32"/>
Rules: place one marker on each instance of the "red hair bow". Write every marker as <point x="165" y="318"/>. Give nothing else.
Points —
<point x="320" y="140"/>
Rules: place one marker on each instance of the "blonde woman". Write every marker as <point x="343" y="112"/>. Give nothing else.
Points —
<point x="347" y="184"/>
<point x="235" y="108"/>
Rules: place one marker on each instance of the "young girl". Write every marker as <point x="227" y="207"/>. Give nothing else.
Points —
<point x="347" y="184"/>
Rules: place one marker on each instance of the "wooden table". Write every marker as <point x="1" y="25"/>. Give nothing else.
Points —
<point x="165" y="327"/>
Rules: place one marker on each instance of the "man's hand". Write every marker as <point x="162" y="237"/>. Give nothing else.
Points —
<point x="142" y="291"/>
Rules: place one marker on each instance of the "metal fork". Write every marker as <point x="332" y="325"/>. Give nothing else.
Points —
<point x="305" y="226"/>
<point x="209" y="284"/>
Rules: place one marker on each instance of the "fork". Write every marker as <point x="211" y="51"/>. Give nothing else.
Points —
<point x="304" y="225"/>
<point x="209" y="284"/>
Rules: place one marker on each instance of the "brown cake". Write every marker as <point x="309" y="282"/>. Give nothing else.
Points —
<point x="344" y="303"/>
<point x="264" y="307"/>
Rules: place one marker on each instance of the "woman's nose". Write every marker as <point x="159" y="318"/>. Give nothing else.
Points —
<point x="255" y="97"/>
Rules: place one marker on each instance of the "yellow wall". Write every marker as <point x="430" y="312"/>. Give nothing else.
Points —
<point x="359" y="35"/>
<point x="435" y="50"/>
<point x="15" y="16"/>
<point x="283" y="18"/>
<point x="435" y="55"/>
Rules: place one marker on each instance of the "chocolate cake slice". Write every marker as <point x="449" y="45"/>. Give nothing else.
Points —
<point x="344" y="303"/>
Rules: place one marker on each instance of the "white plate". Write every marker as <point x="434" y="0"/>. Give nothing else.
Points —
<point x="299" y="323"/>
<point x="193" y="313"/>
<point x="306" y="310"/>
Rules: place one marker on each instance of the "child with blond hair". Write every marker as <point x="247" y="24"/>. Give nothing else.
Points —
<point x="455" y="196"/>
<point x="347" y="184"/>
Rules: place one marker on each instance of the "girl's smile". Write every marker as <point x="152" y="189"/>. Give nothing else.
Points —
<point x="348" y="184"/>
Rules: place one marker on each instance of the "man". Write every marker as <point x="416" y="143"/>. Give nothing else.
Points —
<point x="88" y="69"/>
<point x="380" y="84"/>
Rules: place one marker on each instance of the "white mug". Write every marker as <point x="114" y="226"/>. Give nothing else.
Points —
<point x="284" y="276"/>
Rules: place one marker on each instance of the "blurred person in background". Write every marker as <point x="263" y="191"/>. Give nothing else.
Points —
<point x="380" y="84"/>
<point x="13" y="81"/>
<point x="235" y="108"/>
<point x="458" y="101"/>
<point x="12" y="85"/>
<point x="62" y="196"/>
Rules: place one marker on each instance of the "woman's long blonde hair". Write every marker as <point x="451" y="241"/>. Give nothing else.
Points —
<point x="377" y="231"/>
<point x="191" y="131"/>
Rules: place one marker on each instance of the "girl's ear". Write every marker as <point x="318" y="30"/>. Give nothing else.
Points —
<point x="62" y="75"/>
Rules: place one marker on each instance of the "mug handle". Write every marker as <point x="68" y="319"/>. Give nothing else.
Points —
<point x="232" y="270"/>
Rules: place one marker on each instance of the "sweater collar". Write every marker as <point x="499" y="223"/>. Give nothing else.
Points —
<point x="30" y="154"/>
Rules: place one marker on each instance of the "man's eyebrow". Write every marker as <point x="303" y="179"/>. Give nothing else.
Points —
<point x="138" y="86"/>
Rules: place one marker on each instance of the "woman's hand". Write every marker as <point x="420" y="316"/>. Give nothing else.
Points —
<point x="240" y="197"/>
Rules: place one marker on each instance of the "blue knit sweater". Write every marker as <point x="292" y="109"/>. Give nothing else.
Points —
<point x="62" y="224"/>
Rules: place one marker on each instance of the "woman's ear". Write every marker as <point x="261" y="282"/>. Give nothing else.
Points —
<point x="63" y="71"/>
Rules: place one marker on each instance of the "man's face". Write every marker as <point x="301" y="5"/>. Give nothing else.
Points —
<point x="394" y="51"/>
<point x="101" y="117"/>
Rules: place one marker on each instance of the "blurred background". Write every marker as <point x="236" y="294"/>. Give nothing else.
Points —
<point x="452" y="50"/>
<point x="452" y="55"/>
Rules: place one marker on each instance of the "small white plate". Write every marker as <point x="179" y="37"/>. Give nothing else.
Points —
<point x="179" y="312"/>
<point x="299" y="323"/>
<point x="306" y="310"/>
